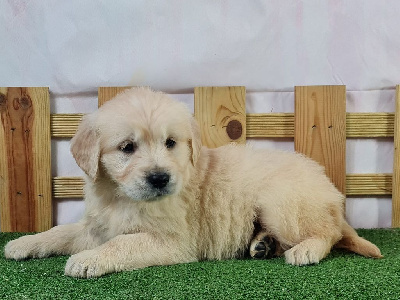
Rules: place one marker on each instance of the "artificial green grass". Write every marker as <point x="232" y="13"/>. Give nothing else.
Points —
<point x="341" y="275"/>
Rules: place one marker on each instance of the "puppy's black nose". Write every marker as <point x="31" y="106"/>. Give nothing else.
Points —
<point x="158" y="180"/>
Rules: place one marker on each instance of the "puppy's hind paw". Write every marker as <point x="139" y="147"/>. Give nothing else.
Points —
<point x="263" y="246"/>
<point x="309" y="251"/>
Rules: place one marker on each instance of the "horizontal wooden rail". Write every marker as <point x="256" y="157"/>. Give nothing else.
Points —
<point x="356" y="185"/>
<point x="370" y="125"/>
<point x="271" y="125"/>
<point x="268" y="125"/>
<point x="64" y="125"/>
<point x="368" y="184"/>
<point x="68" y="187"/>
<point x="358" y="125"/>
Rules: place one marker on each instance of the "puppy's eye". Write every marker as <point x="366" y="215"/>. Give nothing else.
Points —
<point x="128" y="147"/>
<point x="170" y="143"/>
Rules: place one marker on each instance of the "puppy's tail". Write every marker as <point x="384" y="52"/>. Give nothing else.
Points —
<point x="352" y="242"/>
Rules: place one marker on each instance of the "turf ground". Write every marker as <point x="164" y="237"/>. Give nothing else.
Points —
<point x="341" y="275"/>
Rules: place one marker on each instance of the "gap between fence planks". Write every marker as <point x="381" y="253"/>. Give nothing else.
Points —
<point x="25" y="157"/>
<point x="396" y="165"/>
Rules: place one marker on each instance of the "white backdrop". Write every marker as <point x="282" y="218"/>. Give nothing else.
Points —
<point x="268" y="46"/>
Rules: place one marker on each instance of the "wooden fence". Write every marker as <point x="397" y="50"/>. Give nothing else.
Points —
<point x="319" y="126"/>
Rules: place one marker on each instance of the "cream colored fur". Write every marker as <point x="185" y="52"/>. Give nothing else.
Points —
<point x="208" y="208"/>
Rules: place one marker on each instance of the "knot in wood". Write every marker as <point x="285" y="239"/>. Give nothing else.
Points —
<point x="25" y="102"/>
<point x="3" y="101"/>
<point x="234" y="129"/>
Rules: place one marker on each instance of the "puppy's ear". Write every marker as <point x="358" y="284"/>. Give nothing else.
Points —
<point x="85" y="147"/>
<point x="195" y="142"/>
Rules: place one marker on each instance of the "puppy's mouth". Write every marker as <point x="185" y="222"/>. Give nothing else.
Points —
<point x="155" y="194"/>
<point x="158" y="195"/>
<point x="153" y="187"/>
<point x="145" y="193"/>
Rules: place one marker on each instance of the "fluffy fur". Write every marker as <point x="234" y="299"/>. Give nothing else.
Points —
<point x="205" y="210"/>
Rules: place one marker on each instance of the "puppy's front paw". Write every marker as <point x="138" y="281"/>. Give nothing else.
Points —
<point x="87" y="264"/>
<point x="22" y="248"/>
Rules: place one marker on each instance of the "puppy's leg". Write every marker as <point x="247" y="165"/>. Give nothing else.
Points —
<point x="125" y="252"/>
<point x="352" y="242"/>
<point x="303" y="243"/>
<point x="309" y="251"/>
<point x="60" y="240"/>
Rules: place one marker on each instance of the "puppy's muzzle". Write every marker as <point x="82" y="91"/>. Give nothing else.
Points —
<point x="158" y="180"/>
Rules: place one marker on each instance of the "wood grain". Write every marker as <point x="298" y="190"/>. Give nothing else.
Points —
<point x="396" y="165"/>
<point x="219" y="109"/>
<point x="265" y="125"/>
<point x="106" y="93"/>
<point x="356" y="185"/>
<point x="68" y="187"/>
<point x="268" y="125"/>
<point x="25" y="158"/>
<point x="358" y="125"/>
<point x="368" y="185"/>
<point x="320" y="128"/>
<point x="5" y="209"/>
<point x="64" y="125"/>
<point x="369" y="125"/>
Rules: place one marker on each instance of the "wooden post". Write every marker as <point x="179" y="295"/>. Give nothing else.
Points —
<point x="221" y="113"/>
<point x="396" y="165"/>
<point x="25" y="158"/>
<point x="320" y="128"/>
<point x="109" y="92"/>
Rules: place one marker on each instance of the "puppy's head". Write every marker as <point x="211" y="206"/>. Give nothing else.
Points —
<point x="142" y="140"/>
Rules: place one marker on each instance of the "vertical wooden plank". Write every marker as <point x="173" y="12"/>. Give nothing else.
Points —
<point x="221" y="113"/>
<point x="25" y="158"/>
<point x="396" y="165"/>
<point x="320" y="128"/>
<point x="42" y="159"/>
<point x="108" y="92"/>
<point x="5" y="212"/>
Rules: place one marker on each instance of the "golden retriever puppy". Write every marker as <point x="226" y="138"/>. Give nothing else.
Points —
<point x="155" y="196"/>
